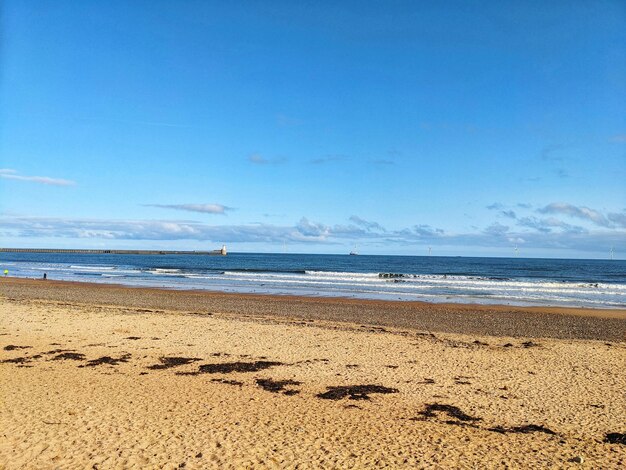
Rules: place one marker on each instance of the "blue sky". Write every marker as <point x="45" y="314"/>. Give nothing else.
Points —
<point x="467" y="127"/>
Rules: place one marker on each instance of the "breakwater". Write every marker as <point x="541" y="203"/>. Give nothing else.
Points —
<point x="113" y="252"/>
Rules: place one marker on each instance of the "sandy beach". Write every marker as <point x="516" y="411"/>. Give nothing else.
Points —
<point x="95" y="376"/>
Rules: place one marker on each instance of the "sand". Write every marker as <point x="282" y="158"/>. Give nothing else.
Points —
<point x="111" y="377"/>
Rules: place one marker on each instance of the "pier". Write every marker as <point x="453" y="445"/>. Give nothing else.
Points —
<point x="221" y="252"/>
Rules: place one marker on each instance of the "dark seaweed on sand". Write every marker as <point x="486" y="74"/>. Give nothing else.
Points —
<point x="107" y="360"/>
<point x="276" y="386"/>
<point x="525" y="429"/>
<point x="354" y="392"/>
<point x="229" y="382"/>
<point x="452" y="411"/>
<point x="74" y="356"/>
<point x="169" y="362"/>
<point x="615" y="438"/>
<point x="13" y="347"/>
<point x="17" y="360"/>
<point x="228" y="367"/>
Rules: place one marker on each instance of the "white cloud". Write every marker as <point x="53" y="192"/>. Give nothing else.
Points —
<point x="202" y="208"/>
<point x="496" y="229"/>
<point x="618" y="219"/>
<point x="9" y="174"/>
<point x="580" y="212"/>
<point x="548" y="225"/>
<point x="313" y="229"/>
<point x="368" y="225"/>
<point x="426" y="231"/>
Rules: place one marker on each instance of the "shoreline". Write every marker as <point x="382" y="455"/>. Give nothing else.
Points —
<point x="490" y="320"/>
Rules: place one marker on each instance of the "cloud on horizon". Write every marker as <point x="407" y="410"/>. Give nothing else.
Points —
<point x="202" y="208"/>
<point x="580" y="212"/>
<point x="366" y="224"/>
<point x="619" y="219"/>
<point x="529" y="231"/>
<point x="8" y="174"/>
<point x="547" y="225"/>
<point x="593" y="217"/>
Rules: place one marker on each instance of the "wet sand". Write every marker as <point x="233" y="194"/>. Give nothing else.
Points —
<point x="496" y="320"/>
<point x="110" y="377"/>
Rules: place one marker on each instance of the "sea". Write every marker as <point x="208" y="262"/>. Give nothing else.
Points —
<point x="504" y="281"/>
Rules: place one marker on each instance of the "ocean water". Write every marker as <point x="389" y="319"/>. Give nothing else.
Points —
<point x="506" y="281"/>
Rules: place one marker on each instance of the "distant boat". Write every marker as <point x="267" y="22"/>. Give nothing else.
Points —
<point x="354" y="252"/>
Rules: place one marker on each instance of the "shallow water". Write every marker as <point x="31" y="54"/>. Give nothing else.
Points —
<point x="512" y="281"/>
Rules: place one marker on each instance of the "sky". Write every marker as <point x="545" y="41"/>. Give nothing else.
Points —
<point x="470" y="128"/>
